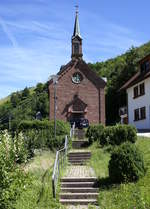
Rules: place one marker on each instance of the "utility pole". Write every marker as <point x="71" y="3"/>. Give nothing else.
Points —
<point x="55" y="81"/>
<point x="55" y="110"/>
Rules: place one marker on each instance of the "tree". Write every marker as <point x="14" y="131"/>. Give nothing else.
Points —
<point x="25" y="93"/>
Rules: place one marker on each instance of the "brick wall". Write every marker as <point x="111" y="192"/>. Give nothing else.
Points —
<point x="91" y="96"/>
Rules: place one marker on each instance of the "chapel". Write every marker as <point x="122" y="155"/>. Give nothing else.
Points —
<point x="79" y="91"/>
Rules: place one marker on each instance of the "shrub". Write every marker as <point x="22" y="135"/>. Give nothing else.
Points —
<point x="126" y="163"/>
<point x="107" y="136"/>
<point x="132" y="133"/>
<point x="20" y="149"/>
<point x="56" y="143"/>
<point x="62" y="128"/>
<point x="40" y="134"/>
<point x="94" y="132"/>
<point x="12" y="179"/>
<point x="116" y="135"/>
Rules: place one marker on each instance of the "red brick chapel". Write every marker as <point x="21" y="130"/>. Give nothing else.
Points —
<point x="79" y="90"/>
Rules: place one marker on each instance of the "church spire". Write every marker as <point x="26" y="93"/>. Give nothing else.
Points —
<point x="76" y="39"/>
<point x="76" y="25"/>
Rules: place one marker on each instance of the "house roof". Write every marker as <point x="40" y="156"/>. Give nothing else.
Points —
<point x="138" y="77"/>
<point x="144" y="59"/>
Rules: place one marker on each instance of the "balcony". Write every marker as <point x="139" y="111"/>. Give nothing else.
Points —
<point x="123" y="112"/>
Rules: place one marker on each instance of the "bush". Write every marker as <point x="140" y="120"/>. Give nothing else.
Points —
<point x="94" y="132"/>
<point x="126" y="163"/>
<point x="62" y="128"/>
<point x="40" y="134"/>
<point x="12" y="179"/>
<point x="116" y="135"/>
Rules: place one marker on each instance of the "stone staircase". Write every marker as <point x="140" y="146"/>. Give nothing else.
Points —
<point x="78" y="144"/>
<point x="79" y="186"/>
<point x="79" y="158"/>
<point x="79" y="191"/>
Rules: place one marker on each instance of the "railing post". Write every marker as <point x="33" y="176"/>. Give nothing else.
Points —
<point x="53" y="187"/>
<point x="54" y="176"/>
<point x="73" y="129"/>
<point x="58" y="163"/>
<point x="61" y="157"/>
<point x="71" y="133"/>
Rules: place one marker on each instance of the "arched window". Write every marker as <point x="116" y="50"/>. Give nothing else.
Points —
<point x="76" y="48"/>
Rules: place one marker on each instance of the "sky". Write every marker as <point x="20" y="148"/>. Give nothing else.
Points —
<point x="35" y="35"/>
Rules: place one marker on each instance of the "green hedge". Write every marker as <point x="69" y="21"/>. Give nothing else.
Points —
<point x="94" y="132"/>
<point x="116" y="135"/>
<point x="61" y="126"/>
<point x="40" y="134"/>
<point x="126" y="163"/>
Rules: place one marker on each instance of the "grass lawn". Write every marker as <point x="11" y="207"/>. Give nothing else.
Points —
<point x="3" y="100"/>
<point x="39" y="194"/>
<point x="124" y="196"/>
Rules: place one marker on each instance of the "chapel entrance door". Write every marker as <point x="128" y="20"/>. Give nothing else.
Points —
<point x="75" y="118"/>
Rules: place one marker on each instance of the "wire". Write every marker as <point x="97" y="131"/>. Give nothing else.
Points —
<point x="20" y="105"/>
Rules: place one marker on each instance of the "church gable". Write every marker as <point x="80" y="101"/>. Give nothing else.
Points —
<point x="81" y="67"/>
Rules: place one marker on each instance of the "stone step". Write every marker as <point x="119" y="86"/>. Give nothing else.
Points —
<point x="78" y="195"/>
<point x="79" y="154"/>
<point x="78" y="164"/>
<point x="79" y="157"/>
<point x="80" y="190"/>
<point x="78" y="184"/>
<point x="78" y="201"/>
<point x="83" y="163"/>
<point x="77" y="144"/>
<point x="77" y="160"/>
<point x="75" y="179"/>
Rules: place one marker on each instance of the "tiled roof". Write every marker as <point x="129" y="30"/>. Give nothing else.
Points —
<point x="138" y="77"/>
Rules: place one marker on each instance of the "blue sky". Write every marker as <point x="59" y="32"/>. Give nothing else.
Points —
<point x="35" y="35"/>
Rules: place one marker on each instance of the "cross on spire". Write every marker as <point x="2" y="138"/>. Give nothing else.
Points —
<point x="77" y="8"/>
<point x="76" y="25"/>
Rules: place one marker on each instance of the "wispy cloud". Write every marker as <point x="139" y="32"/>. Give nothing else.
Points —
<point x="8" y="33"/>
<point x="35" y="40"/>
<point x="110" y="39"/>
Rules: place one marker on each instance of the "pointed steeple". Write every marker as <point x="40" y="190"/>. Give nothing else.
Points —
<point x="76" y="39"/>
<point x="76" y="25"/>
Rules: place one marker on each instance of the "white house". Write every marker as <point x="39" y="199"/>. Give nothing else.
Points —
<point x="138" y="97"/>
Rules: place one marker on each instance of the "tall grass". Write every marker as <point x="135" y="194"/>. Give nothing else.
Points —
<point x="39" y="194"/>
<point x="125" y="196"/>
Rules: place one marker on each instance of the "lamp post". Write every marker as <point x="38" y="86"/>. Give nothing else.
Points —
<point x="55" y="81"/>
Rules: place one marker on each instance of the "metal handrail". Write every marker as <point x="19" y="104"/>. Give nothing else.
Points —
<point x="61" y="156"/>
<point x="72" y="131"/>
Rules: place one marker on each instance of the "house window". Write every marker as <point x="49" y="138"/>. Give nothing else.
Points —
<point x="136" y="115"/>
<point x="142" y="89"/>
<point x="136" y="92"/>
<point x="143" y="113"/>
<point x="145" y="66"/>
<point x="139" y="90"/>
<point x="140" y="113"/>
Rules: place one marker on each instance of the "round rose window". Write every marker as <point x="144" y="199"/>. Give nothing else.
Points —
<point x="77" y="78"/>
